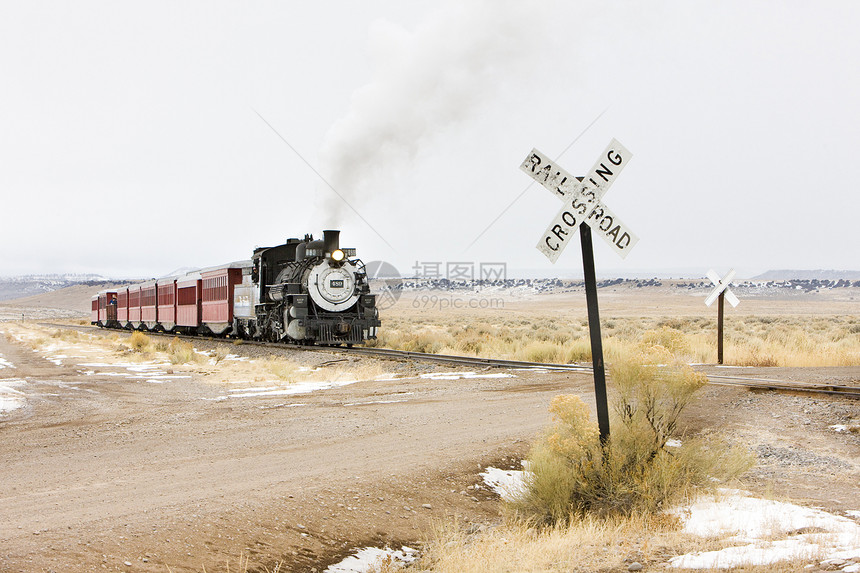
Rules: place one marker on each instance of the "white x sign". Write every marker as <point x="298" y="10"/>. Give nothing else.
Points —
<point x="582" y="200"/>
<point x="720" y="286"/>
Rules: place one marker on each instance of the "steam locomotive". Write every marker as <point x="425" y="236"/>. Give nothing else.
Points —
<point x="304" y="292"/>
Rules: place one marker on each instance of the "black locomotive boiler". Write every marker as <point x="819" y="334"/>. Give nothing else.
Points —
<point x="308" y="291"/>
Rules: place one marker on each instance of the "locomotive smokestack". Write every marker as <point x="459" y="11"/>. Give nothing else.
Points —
<point x="331" y="240"/>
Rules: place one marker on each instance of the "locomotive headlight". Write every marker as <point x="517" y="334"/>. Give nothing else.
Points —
<point x="337" y="255"/>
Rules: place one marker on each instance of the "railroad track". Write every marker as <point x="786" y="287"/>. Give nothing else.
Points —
<point x="785" y="385"/>
<point x="753" y="383"/>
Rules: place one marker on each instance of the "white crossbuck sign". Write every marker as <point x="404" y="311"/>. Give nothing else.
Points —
<point x="582" y="200"/>
<point x="720" y="286"/>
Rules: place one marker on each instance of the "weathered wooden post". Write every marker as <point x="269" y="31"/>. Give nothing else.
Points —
<point x="720" y="293"/>
<point x="582" y="203"/>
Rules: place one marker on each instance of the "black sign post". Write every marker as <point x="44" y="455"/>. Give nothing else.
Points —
<point x="721" y="301"/>
<point x="594" y="331"/>
<point x="582" y="197"/>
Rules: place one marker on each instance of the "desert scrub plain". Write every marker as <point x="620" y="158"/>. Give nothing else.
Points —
<point x="749" y="340"/>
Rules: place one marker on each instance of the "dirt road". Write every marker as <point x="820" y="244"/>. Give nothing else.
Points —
<point x="102" y="471"/>
<point x="105" y="472"/>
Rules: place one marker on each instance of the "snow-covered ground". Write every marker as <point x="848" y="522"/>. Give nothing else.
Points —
<point x="363" y="559"/>
<point x="11" y="395"/>
<point x="761" y="531"/>
<point x="753" y="531"/>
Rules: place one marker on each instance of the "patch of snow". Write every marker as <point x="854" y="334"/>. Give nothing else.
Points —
<point x="673" y="443"/>
<point x="5" y="363"/>
<point x="148" y="371"/>
<point x="374" y="402"/>
<point x="280" y="406"/>
<point x="853" y="513"/>
<point x="764" y="531"/>
<point x="465" y="375"/>
<point x="509" y="484"/>
<point x="295" y="388"/>
<point x="10" y="397"/>
<point x="255" y="389"/>
<point x="143" y="367"/>
<point x="365" y="558"/>
<point x="839" y="428"/>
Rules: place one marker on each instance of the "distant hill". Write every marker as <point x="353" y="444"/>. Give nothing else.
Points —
<point x="783" y="275"/>
<point x="72" y="298"/>
<point x="28" y="286"/>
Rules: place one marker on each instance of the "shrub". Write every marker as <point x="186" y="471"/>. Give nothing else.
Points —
<point x="540" y="351"/>
<point x="181" y="352"/>
<point x="220" y="353"/>
<point x="67" y="335"/>
<point x="571" y="474"/>
<point x="669" y="338"/>
<point x="139" y="341"/>
<point x="579" y="351"/>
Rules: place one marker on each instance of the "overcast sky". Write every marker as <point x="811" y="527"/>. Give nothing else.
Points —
<point x="139" y="138"/>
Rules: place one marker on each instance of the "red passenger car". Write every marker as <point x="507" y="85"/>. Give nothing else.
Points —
<point x="94" y="314"/>
<point x="148" y="310"/>
<point x="166" y="303"/>
<point x="134" y="306"/>
<point x="122" y="307"/>
<point x="188" y="301"/>
<point x="218" y="284"/>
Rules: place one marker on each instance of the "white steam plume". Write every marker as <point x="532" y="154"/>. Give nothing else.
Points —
<point x="424" y="82"/>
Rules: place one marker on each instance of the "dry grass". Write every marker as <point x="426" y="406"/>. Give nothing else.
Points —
<point x="284" y="369"/>
<point x="182" y="352"/>
<point x="67" y="335"/>
<point x="139" y="342"/>
<point x="585" y="546"/>
<point x="748" y="341"/>
<point x="219" y="354"/>
<point x="245" y="565"/>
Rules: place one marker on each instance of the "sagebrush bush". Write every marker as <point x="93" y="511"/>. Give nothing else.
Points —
<point x="181" y="352"/>
<point x="220" y="353"/>
<point x="139" y="341"/>
<point x="572" y="474"/>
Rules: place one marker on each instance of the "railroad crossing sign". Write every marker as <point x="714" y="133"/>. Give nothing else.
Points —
<point x="582" y="199"/>
<point x="722" y="293"/>
<point x="721" y="286"/>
